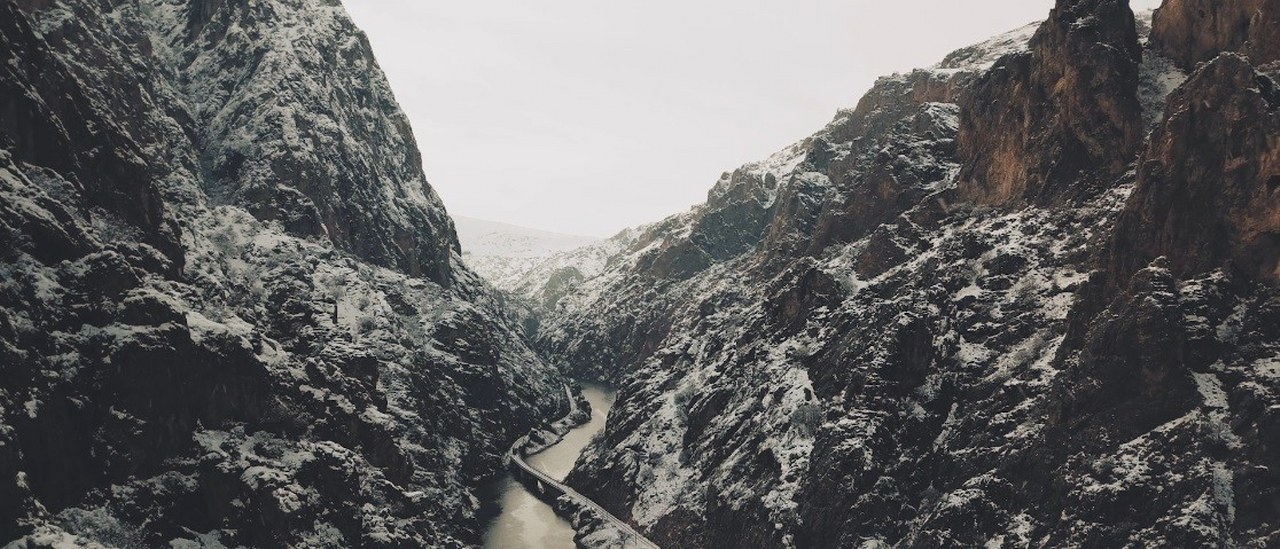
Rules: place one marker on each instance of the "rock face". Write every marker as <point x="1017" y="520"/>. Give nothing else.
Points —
<point x="1195" y="31"/>
<point x="179" y="367"/>
<point x="48" y="121"/>
<point x="1042" y="123"/>
<point x="892" y="362"/>
<point x="1208" y="183"/>
<point x="245" y="68"/>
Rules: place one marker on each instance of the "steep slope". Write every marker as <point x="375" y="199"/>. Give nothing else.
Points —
<point x="976" y="310"/>
<point x="231" y="311"/>
<point x="1040" y="124"/>
<point x="271" y="87"/>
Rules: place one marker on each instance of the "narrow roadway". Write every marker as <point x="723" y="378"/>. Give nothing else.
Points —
<point x="518" y="461"/>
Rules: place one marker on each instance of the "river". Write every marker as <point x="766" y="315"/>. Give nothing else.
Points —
<point x="525" y="522"/>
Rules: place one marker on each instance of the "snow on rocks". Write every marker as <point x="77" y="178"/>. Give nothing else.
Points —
<point x="218" y="371"/>
<point x="965" y="379"/>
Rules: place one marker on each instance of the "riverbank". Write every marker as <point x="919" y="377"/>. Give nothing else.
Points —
<point x="524" y="521"/>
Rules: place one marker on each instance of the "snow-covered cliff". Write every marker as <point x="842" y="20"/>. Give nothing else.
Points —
<point x="232" y="311"/>
<point x="1020" y="298"/>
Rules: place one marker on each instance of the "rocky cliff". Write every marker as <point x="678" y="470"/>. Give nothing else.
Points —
<point x="1025" y="297"/>
<point x="1040" y="124"/>
<point x="1195" y="31"/>
<point x="246" y="70"/>
<point x="231" y="308"/>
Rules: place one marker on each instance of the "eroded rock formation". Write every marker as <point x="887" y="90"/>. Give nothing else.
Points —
<point x="1195" y="31"/>
<point x="1041" y="125"/>
<point x="1208" y="191"/>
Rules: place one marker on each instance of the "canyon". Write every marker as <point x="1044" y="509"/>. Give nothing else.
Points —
<point x="1023" y="297"/>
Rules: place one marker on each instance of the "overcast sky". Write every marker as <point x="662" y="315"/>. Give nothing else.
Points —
<point x="588" y="116"/>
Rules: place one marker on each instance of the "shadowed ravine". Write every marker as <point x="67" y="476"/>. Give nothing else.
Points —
<point x="523" y="520"/>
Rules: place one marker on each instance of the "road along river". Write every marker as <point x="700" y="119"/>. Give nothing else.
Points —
<point x="525" y="522"/>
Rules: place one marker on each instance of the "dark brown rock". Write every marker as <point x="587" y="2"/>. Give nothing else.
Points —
<point x="1038" y="121"/>
<point x="1208" y="183"/>
<point x="1131" y="374"/>
<point x="1195" y="31"/>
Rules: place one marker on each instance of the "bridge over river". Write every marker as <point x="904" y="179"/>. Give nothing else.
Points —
<point x="549" y="489"/>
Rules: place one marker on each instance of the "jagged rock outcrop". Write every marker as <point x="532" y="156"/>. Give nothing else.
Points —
<point x="868" y="166"/>
<point x="46" y="118"/>
<point x="1208" y="182"/>
<point x="1195" y="31"/>
<point x="1042" y="124"/>
<point x="177" y="372"/>
<point x="882" y="183"/>
<point x="259" y="149"/>
<point x="1170" y="377"/>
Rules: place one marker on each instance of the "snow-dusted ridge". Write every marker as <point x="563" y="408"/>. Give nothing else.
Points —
<point x="505" y="254"/>
<point x="232" y="312"/>
<point x="485" y="238"/>
<point x="842" y="349"/>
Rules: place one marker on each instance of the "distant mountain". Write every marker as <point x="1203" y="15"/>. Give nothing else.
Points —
<point x="481" y="237"/>
<point x="503" y="253"/>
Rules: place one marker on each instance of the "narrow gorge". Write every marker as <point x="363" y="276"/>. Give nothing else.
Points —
<point x="1025" y="297"/>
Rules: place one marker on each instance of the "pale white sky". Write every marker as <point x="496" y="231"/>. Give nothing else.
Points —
<point x="588" y="116"/>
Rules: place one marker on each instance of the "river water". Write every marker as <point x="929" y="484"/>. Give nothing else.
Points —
<point x="525" y="522"/>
